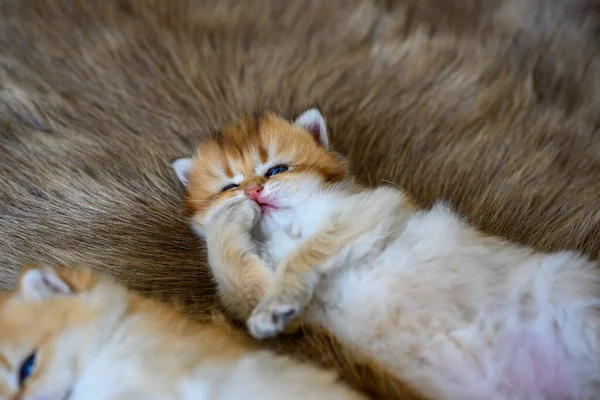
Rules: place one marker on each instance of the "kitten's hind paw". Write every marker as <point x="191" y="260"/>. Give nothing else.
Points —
<point x="271" y="319"/>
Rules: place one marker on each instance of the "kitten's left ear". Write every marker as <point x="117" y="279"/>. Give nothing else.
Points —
<point x="312" y="121"/>
<point x="40" y="281"/>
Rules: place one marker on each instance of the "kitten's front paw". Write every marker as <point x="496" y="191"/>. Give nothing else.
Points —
<point x="271" y="319"/>
<point x="248" y="214"/>
<point x="241" y="212"/>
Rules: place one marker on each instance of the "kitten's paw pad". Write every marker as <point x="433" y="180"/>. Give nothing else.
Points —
<point x="269" y="322"/>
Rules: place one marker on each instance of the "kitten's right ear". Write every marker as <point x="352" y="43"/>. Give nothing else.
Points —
<point x="183" y="168"/>
<point x="40" y="281"/>
<point x="313" y="122"/>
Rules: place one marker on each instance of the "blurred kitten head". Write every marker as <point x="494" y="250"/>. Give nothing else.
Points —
<point x="264" y="159"/>
<point x="51" y="327"/>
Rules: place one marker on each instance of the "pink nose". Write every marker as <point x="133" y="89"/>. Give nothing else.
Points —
<point x="253" y="192"/>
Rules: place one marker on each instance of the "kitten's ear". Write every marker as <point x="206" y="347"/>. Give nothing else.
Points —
<point x="312" y="121"/>
<point x="39" y="281"/>
<point x="183" y="168"/>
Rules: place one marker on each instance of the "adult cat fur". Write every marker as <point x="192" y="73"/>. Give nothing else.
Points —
<point x="70" y="334"/>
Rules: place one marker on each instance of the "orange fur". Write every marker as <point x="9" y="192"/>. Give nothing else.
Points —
<point x="251" y="139"/>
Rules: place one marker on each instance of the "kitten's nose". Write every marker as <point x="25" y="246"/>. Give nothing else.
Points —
<point x="253" y="192"/>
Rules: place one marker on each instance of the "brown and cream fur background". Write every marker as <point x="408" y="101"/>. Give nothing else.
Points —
<point x="492" y="105"/>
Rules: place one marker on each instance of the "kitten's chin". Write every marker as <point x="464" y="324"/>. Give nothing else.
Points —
<point x="267" y="209"/>
<point x="275" y="220"/>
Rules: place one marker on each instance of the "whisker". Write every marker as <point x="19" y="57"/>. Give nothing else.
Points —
<point x="392" y="183"/>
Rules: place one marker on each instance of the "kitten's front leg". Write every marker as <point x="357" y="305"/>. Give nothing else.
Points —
<point x="277" y="311"/>
<point x="296" y="279"/>
<point x="241" y="275"/>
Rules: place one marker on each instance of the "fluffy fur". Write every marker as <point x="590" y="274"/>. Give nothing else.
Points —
<point x="491" y="105"/>
<point x="91" y="338"/>
<point x="455" y="313"/>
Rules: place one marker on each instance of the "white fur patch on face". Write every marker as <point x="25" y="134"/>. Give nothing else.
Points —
<point x="238" y="178"/>
<point x="272" y="150"/>
<point x="312" y="121"/>
<point x="223" y="179"/>
<point x="183" y="167"/>
<point x="255" y="156"/>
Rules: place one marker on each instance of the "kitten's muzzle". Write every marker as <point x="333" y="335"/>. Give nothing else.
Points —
<point x="253" y="192"/>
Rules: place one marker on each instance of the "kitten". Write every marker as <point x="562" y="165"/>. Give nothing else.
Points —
<point x="460" y="315"/>
<point x="69" y="334"/>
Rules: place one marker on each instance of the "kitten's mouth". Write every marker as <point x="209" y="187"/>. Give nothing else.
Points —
<point x="266" y="206"/>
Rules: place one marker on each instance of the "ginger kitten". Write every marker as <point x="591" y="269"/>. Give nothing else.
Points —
<point x="70" y="334"/>
<point x="455" y="313"/>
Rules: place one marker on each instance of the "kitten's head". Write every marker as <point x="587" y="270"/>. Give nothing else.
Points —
<point x="50" y="327"/>
<point x="263" y="159"/>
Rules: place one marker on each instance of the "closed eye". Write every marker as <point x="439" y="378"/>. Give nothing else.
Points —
<point x="230" y="186"/>
<point x="27" y="368"/>
<point x="278" y="169"/>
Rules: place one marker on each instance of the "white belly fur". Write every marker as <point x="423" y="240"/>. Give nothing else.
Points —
<point x="464" y="316"/>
